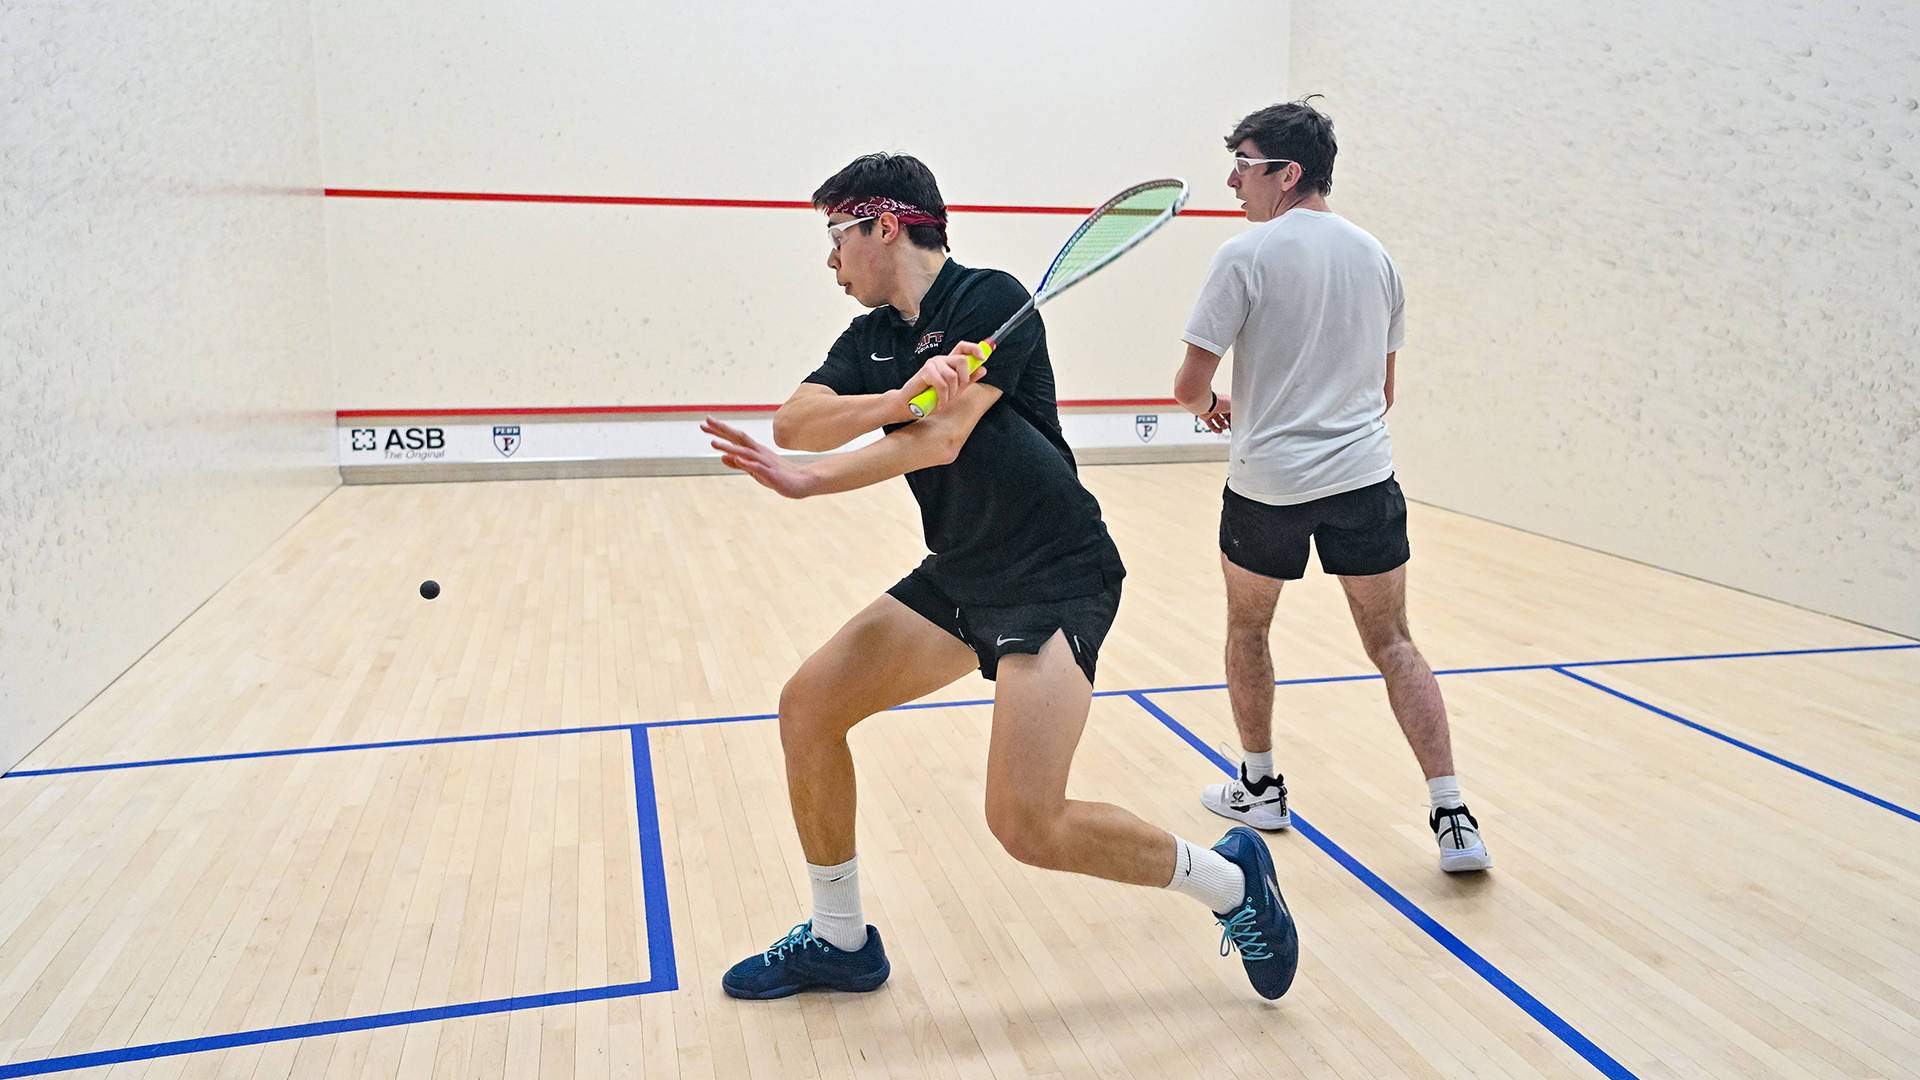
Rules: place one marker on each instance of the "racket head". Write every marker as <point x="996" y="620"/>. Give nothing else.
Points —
<point x="1112" y="229"/>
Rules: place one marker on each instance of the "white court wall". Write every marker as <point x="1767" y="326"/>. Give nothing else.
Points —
<point x="1661" y="278"/>
<point x="165" y="385"/>
<point x="476" y="305"/>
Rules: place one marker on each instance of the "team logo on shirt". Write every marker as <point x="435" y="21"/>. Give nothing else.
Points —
<point x="1145" y="425"/>
<point x="928" y="342"/>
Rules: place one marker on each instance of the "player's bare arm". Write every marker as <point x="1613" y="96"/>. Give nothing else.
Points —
<point x="1193" y="389"/>
<point x="815" y="419"/>
<point x="933" y="441"/>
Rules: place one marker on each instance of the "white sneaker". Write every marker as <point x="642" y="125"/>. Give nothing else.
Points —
<point x="1262" y="805"/>
<point x="1461" y="849"/>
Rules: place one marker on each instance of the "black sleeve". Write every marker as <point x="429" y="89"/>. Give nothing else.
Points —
<point x="986" y="306"/>
<point x="842" y="372"/>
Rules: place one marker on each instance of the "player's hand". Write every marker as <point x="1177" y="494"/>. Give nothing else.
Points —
<point x="948" y="374"/>
<point x="1221" y="418"/>
<point x="742" y="452"/>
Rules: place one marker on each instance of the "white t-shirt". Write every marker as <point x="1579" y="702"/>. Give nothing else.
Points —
<point x="1311" y="305"/>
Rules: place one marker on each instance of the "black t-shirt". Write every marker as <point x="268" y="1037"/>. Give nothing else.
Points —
<point x="1008" y="521"/>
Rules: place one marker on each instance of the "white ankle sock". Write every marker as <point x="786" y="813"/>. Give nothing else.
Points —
<point x="836" y="905"/>
<point x="1207" y="876"/>
<point x="1259" y="766"/>
<point x="1444" y="792"/>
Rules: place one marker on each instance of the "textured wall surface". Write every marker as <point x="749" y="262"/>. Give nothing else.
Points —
<point x="1660" y="265"/>
<point x="167" y="391"/>
<point x="622" y="305"/>
<point x="491" y="304"/>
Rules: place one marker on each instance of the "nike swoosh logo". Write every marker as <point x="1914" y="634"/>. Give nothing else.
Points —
<point x="877" y="356"/>
<point x="1006" y="640"/>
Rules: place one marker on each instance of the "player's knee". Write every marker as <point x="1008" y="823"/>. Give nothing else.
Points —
<point x="1247" y="644"/>
<point x="1248" y="629"/>
<point x="1247" y="637"/>
<point x="806" y="713"/>
<point x="1028" y="833"/>
<point x="1389" y="648"/>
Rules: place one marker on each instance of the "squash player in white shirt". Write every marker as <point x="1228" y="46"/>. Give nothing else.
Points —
<point x="1313" y="309"/>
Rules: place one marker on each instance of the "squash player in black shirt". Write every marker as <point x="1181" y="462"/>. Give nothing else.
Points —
<point x="1022" y="584"/>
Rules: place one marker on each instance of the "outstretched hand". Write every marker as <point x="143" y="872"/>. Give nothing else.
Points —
<point x="742" y="452"/>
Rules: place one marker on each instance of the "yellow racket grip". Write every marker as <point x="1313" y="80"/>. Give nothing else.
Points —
<point x="924" y="401"/>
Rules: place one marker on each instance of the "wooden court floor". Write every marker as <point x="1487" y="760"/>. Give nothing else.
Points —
<point x="329" y="829"/>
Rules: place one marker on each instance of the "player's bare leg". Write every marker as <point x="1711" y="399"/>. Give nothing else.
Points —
<point x="1379" y="606"/>
<point x="885" y="656"/>
<point x="1039" y="714"/>
<point x="1258" y="796"/>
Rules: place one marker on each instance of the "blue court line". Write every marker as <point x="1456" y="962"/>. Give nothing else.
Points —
<point x="322" y="1027"/>
<point x="435" y="741"/>
<point x="1222" y="686"/>
<point x="1481" y="966"/>
<point x="112" y="766"/>
<point x="1748" y="747"/>
<point x="1743" y="655"/>
<point x="708" y="720"/>
<point x="1534" y="667"/>
<point x="1313" y="680"/>
<point x="663" y="975"/>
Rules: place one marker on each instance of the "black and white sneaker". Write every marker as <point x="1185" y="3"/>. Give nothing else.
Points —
<point x="1261" y="804"/>
<point x="1461" y="849"/>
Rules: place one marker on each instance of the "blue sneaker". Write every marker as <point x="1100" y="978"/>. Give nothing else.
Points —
<point x="1261" y="927"/>
<point x="801" y="961"/>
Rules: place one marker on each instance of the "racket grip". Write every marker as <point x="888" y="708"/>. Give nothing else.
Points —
<point x="924" y="401"/>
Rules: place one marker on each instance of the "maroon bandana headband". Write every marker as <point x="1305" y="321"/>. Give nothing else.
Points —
<point x="907" y="213"/>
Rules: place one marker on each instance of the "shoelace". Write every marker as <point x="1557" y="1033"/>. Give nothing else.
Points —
<point x="1236" y="788"/>
<point x="1236" y="791"/>
<point x="1238" y="932"/>
<point x="1227" y="752"/>
<point x="800" y="937"/>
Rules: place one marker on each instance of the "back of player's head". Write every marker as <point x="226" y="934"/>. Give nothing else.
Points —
<point x="1298" y="132"/>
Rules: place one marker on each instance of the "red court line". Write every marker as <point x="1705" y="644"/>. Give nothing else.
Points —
<point x="645" y="410"/>
<point x="607" y="200"/>
<point x="559" y="410"/>
<point x="654" y="200"/>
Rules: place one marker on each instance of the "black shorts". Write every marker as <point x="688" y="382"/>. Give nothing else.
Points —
<point x="1359" y="533"/>
<point x="994" y="632"/>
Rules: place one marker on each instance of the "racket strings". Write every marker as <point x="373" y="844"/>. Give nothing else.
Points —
<point x="1115" y="226"/>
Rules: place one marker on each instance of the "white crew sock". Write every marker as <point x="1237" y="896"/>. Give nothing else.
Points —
<point x="1207" y="876"/>
<point x="836" y="905"/>
<point x="1444" y="792"/>
<point x="1259" y="766"/>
